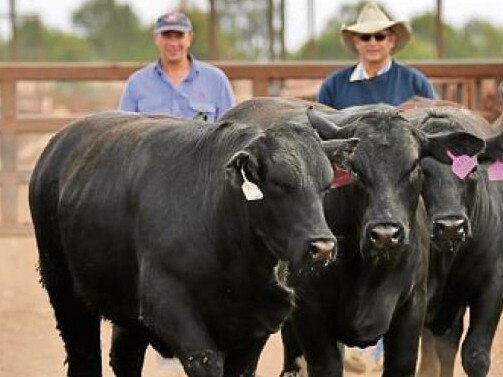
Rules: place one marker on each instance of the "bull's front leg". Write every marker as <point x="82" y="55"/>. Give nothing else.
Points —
<point x="127" y="352"/>
<point x="485" y="313"/>
<point x="438" y="353"/>
<point x="401" y="342"/>
<point x="168" y="311"/>
<point x="242" y="361"/>
<point x="323" y="353"/>
<point x="447" y="345"/>
<point x="292" y="353"/>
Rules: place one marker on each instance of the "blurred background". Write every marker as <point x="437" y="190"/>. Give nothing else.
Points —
<point x="254" y="30"/>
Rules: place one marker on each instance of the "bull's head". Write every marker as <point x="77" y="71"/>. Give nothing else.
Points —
<point x="449" y="189"/>
<point x="283" y="176"/>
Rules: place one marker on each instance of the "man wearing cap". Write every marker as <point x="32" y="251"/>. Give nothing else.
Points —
<point x="177" y="84"/>
<point x="377" y="77"/>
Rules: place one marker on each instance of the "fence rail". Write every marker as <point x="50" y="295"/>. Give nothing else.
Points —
<point x="471" y="83"/>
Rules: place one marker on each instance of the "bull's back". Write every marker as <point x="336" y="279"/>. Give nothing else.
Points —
<point x="265" y="111"/>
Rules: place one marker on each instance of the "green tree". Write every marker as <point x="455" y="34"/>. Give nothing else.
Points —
<point x="483" y="38"/>
<point x="243" y="24"/>
<point x="114" y="31"/>
<point x="327" y="47"/>
<point x="201" y="45"/>
<point x="37" y="43"/>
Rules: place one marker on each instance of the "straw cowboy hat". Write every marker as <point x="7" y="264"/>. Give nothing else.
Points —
<point x="371" y="20"/>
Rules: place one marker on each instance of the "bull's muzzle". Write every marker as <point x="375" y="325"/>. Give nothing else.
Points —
<point x="451" y="228"/>
<point x="385" y="236"/>
<point x="322" y="250"/>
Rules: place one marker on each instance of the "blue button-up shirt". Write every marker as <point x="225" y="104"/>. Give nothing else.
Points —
<point x="206" y="90"/>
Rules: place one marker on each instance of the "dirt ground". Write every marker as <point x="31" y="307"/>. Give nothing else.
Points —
<point x="30" y="344"/>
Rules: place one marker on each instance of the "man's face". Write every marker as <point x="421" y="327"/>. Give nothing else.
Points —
<point x="173" y="46"/>
<point x="374" y="48"/>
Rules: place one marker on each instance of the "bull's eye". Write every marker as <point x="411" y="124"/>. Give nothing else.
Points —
<point x="280" y="187"/>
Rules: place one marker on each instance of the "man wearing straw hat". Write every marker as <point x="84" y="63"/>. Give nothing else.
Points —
<point x="377" y="77"/>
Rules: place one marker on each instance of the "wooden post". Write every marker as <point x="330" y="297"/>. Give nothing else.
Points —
<point x="13" y="23"/>
<point x="439" y="31"/>
<point x="8" y="155"/>
<point x="213" y="28"/>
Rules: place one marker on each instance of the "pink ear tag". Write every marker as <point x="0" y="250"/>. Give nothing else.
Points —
<point x="342" y="177"/>
<point x="462" y="165"/>
<point x="495" y="171"/>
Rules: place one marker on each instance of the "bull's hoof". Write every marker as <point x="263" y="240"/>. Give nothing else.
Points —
<point x="301" y="370"/>
<point x="295" y="373"/>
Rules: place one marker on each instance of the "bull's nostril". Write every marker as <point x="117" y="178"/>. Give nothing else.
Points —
<point x="322" y="250"/>
<point x="453" y="229"/>
<point x="438" y="227"/>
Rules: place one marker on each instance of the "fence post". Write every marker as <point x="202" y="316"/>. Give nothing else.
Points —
<point x="8" y="154"/>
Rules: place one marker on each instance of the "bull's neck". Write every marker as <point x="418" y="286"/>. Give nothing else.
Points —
<point x="487" y="207"/>
<point x="240" y="244"/>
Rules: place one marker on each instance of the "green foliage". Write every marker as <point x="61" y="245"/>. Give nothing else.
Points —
<point x="201" y="43"/>
<point x="328" y="47"/>
<point x="113" y="30"/>
<point x="482" y="39"/>
<point x="36" y="43"/>
<point x="244" y="23"/>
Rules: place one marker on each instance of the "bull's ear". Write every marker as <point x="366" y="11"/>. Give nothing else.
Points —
<point x="339" y="151"/>
<point x="494" y="149"/>
<point x="241" y="163"/>
<point x="458" y="143"/>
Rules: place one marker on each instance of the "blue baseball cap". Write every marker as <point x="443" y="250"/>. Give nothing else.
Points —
<point x="173" y="21"/>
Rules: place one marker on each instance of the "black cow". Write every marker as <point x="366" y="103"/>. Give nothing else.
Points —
<point x="466" y="264"/>
<point x="377" y="286"/>
<point x="173" y="230"/>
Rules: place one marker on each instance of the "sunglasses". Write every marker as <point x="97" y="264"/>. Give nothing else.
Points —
<point x="379" y="37"/>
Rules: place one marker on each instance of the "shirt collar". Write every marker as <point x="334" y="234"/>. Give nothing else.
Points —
<point x="359" y="73"/>
<point x="193" y="71"/>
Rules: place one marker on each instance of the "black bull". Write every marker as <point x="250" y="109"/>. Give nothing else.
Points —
<point x="466" y="264"/>
<point x="377" y="286"/>
<point x="145" y="221"/>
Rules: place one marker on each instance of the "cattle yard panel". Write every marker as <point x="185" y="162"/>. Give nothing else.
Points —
<point x="472" y="84"/>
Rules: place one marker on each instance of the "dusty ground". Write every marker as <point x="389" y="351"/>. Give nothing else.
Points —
<point x="30" y="345"/>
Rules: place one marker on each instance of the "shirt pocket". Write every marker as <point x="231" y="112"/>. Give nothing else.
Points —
<point x="207" y="109"/>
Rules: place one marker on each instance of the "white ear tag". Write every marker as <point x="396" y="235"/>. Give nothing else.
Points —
<point x="250" y="189"/>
